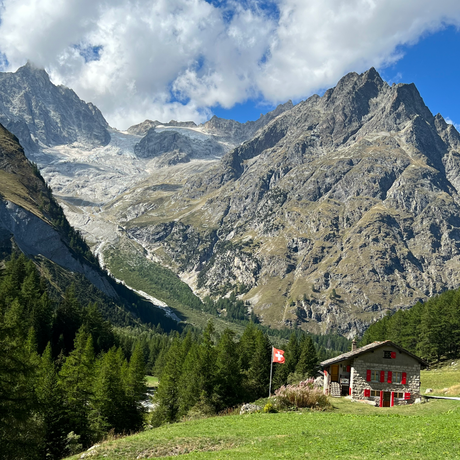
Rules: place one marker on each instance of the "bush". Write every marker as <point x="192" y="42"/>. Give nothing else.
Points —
<point x="304" y="394"/>
<point x="269" y="408"/>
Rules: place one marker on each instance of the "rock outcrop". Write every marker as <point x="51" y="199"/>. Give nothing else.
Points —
<point x="40" y="113"/>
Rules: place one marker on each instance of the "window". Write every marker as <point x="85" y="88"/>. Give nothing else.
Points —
<point x="375" y="376"/>
<point x="399" y="395"/>
<point x="387" y="354"/>
<point x="375" y="393"/>
<point x="397" y="377"/>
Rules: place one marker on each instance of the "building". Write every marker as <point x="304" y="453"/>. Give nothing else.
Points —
<point x="381" y="372"/>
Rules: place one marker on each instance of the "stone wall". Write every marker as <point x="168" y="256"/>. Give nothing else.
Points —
<point x="372" y="361"/>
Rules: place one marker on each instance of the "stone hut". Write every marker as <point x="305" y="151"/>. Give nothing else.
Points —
<point x="382" y="373"/>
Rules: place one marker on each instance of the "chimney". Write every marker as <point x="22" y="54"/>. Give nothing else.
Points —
<point x="353" y="345"/>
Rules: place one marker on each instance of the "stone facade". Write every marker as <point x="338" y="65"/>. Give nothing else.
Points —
<point x="381" y="373"/>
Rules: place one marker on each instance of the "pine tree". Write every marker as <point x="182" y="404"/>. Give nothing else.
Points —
<point x="76" y="381"/>
<point x="52" y="410"/>
<point x="136" y="390"/>
<point x="258" y="375"/>
<point x="167" y="395"/>
<point x="20" y="432"/>
<point x="308" y="360"/>
<point x="108" y="406"/>
<point x="228" y="378"/>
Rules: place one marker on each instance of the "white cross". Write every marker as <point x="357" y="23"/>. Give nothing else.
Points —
<point x="278" y="356"/>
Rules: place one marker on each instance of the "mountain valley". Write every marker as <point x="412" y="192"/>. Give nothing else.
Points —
<point x="325" y="215"/>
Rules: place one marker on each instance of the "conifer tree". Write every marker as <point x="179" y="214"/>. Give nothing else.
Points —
<point x="52" y="410"/>
<point x="258" y="375"/>
<point x="76" y="381"/>
<point x="108" y="396"/>
<point x="228" y="378"/>
<point x="167" y="395"/>
<point x="136" y="389"/>
<point x="19" y="431"/>
<point x="308" y="360"/>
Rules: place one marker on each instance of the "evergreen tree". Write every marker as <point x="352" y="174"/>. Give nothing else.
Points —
<point x="308" y="360"/>
<point x="167" y="395"/>
<point x="136" y="390"/>
<point x="258" y="375"/>
<point x="52" y="409"/>
<point x="76" y="382"/>
<point x="108" y="396"/>
<point x="20" y="433"/>
<point x="227" y="390"/>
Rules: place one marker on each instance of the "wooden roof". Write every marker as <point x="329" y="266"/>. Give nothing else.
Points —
<point x="369" y="347"/>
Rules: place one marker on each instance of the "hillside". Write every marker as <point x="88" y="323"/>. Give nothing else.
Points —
<point x="33" y="223"/>
<point x="424" y="432"/>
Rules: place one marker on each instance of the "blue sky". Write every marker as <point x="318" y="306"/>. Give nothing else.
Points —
<point x="433" y="64"/>
<point x="190" y="59"/>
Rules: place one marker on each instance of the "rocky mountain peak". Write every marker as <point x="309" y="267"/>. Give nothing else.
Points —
<point x="41" y="113"/>
<point x="336" y="211"/>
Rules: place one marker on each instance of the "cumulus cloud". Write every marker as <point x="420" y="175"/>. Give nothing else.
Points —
<point x="163" y="59"/>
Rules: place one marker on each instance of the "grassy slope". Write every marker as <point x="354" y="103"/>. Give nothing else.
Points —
<point x="444" y="380"/>
<point x="351" y="430"/>
<point x="127" y="262"/>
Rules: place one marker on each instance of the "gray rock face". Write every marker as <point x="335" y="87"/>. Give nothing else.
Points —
<point x="38" y="112"/>
<point x="142" y="129"/>
<point x="340" y="209"/>
<point x="180" y="148"/>
<point x="35" y="237"/>
<point x="236" y="132"/>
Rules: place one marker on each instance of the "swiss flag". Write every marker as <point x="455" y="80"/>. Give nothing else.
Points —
<point x="278" y="356"/>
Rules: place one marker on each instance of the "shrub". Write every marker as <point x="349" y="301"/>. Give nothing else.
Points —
<point x="269" y="408"/>
<point x="304" y="394"/>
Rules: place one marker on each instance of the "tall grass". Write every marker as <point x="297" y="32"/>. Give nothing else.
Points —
<point x="303" y="394"/>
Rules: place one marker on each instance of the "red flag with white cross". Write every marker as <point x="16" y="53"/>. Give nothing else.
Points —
<point x="278" y="356"/>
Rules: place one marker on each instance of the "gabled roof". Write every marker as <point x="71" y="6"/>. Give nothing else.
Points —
<point x="369" y="347"/>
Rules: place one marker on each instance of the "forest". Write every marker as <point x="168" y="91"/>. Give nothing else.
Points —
<point x="430" y="330"/>
<point x="203" y="374"/>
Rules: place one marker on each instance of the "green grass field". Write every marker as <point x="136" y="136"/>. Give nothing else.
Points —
<point x="151" y="381"/>
<point x="350" y="431"/>
<point x="444" y="379"/>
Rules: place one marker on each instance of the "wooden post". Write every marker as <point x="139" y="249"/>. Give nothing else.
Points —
<point x="271" y="372"/>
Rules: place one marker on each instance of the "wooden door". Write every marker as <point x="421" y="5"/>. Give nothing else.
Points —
<point x="386" y="399"/>
<point x="335" y="373"/>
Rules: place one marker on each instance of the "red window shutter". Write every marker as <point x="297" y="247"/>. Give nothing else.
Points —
<point x="406" y="395"/>
<point x="382" y="376"/>
<point x="390" y="377"/>
<point x="348" y="368"/>
<point x="368" y="375"/>
<point x="349" y="391"/>
<point x="381" y="399"/>
<point x="393" y="355"/>
<point x="367" y="393"/>
<point x="404" y="378"/>
<point x="325" y="372"/>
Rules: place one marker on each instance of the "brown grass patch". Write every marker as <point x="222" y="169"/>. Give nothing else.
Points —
<point x="185" y="446"/>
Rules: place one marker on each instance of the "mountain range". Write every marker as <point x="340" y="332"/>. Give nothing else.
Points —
<point x="325" y="215"/>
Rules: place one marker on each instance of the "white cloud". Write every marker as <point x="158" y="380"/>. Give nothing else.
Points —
<point x="163" y="59"/>
<point x="450" y="122"/>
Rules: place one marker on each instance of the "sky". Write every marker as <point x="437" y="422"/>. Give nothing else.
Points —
<point x="191" y="59"/>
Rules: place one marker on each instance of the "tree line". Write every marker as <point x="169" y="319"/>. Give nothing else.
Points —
<point x="431" y="329"/>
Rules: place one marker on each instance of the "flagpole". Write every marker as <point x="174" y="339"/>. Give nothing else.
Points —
<point x="271" y="371"/>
